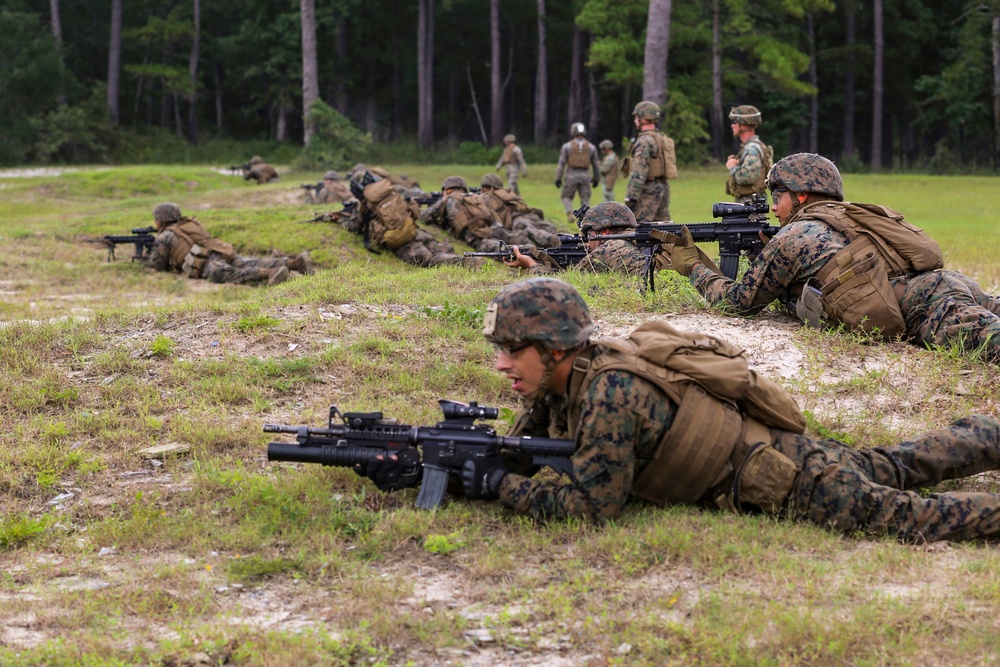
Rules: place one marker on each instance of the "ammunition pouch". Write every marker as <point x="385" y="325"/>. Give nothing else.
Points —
<point x="764" y="478"/>
<point x="195" y="261"/>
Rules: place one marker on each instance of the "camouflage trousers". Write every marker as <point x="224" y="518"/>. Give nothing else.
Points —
<point x="425" y="250"/>
<point x="529" y="229"/>
<point x="653" y="202"/>
<point x="513" y="173"/>
<point x="608" y="191"/>
<point x="946" y="307"/>
<point x="241" y="270"/>
<point x="577" y="181"/>
<point x="875" y="490"/>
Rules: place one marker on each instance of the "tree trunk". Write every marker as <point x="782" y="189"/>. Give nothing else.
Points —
<point x="594" y="116"/>
<point x="718" y="129"/>
<point x="341" y="98"/>
<point x="814" y="82"/>
<point x="496" y="92"/>
<point x="193" y="73"/>
<point x="849" y="84"/>
<point x="654" y="67"/>
<point x="575" y="70"/>
<point x="217" y="79"/>
<point x="281" y="126"/>
<point x="115" y="62"/>
<point x="310" y="71"/>
<point x="879" y="87"/>
<point x="541" y="80"/>
<point x="996" y="90"/>
<point x="57" y="36"/>
<point x="425" y="73"/>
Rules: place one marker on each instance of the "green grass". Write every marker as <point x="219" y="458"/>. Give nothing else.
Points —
<point x="217" y="555"/>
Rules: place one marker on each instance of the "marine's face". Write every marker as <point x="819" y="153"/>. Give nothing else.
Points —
<point x="522" y="364"/>
<point x="782" y="206"/>
<point x="737" y="128"/>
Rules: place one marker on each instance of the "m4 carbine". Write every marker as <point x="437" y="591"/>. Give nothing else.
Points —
<point x="438" y="451"/>
<point x="142" y="238"/>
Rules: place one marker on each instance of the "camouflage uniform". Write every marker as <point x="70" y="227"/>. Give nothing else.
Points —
<point x="623" y="418"/>
<point x="334" y="190"/>
<point x="939" y="307"/>
<point x="525" y="225"/>
<point x="484" y="236"/>
<point x="609" y="171"/>
<point x="576" y="180"/>
<point x="512" y="159"/>
<point x="260" y="172"/>
<point x="650" y="197"/>
<point x="748" y="171"/>
<point x="173" y="245"/>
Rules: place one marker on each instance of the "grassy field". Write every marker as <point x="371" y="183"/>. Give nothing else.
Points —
<point x="215" y="556"/>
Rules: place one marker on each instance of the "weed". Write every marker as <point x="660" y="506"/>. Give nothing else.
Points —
<point x="256" y="323"/>
<point x="162" y="346"/>
<point x="444" y="544"/>
<point x="18" y="529"/>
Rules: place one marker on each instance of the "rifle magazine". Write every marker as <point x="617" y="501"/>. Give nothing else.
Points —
<point x="433" y="487"/>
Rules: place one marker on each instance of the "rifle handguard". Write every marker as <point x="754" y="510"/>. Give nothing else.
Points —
<point x="664" y="236"/>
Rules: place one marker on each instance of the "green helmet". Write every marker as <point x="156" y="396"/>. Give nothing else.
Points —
<point x="808" y="173"/>
<point x="745" y="115"/>
<point x="167" y="213"/>
<point x="606" y="145"/>
<point x="491" y="181"/>
<point x="331" y="176"/>
<point x="509" y="138"/>
<point x="454" y="182"/>
<point x="578" y="129"/>
<point x="607" y="215"/>
<point x="543" y="310"/>
<point x="647" y="110"/>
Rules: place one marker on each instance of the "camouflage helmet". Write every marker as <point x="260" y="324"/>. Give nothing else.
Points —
<point x="167" y="213"/>
<point x="577" y="129"/>
<point x="255" y="160"/>
<point x="331" y="176"/>
<point x="808" y="173"/>
<point x="647" y="110"/>
<point x="509" y="138"/>
<point x="606" y="145"/>
<point x="607" y="215"/>
<point x="454" y="182"/>
<point x="545" y="310"/>
<point x="491" y="181"/>
<point x="745" y="115"/>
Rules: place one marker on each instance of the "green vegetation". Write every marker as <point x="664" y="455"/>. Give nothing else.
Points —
<point x="214" y="556"/>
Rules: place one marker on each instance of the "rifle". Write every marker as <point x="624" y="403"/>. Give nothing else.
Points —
<point x="738" y="232"/>
<point x="358" y="437"/>
<point x="435" y="196"/>
<point x="333" y="216"/>
<point x="234" y="168"/>
<point x="312" y="186"/>
<point x="142" y="238"/>
<point x="569" y="252"/>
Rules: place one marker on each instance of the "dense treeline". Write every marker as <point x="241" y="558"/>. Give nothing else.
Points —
<point x="81" y="77"/>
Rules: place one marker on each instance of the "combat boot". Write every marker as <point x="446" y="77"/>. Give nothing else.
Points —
<point x="301" y="263"/>
<point x="274" y="276"/>
<point x="571" y="219"/>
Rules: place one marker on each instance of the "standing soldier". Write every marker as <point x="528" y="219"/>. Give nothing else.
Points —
<point x="576" y="157"/>
<point x="260" y="172"/>
<point x="650" y="163"/>
<point x="609" y="169"/>
<point x="513" y="158"/>
<point x="749" y="167"/>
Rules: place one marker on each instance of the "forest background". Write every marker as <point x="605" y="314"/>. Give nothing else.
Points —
<point x="887" y="84"/>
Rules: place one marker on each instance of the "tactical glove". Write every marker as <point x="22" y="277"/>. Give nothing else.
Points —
<point x="558" y="182"/>
<point x="630" y="203"/>
<point x="392" y="472"/>
<point x="481" y="478"/>
<point x="684" y="255"/>
<point x="593" y="183"/>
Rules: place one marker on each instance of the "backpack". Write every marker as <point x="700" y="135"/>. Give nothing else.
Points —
<point x="391" y="224"/>
<point x="725" y="409"/>
<point x="853" y="287"/>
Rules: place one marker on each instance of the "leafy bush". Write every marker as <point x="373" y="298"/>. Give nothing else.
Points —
<point x="76" y="134"/>
<point x="335" y="141"/>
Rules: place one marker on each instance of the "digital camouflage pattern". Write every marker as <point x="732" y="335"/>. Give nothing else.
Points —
<point x="167" y="212"/>
<point x="576" y="182"/>
<point x="491" y="181"/>
<point x="454" y="182"/>
<point x="624" y="417"/>
<point x="609" y="173"/>
<point x="650" y="199"/>
<point x="546" y="310"/>
<point x="260" y="172"/>
<point x="807" y="172"/>
<point x="240" y="270"/>
<point x="615" y="256"/>
<point x="939" y="307"/>
<point x="748" y="170"/>
<point x="646" y="110"/>
<point x="607" y="215"/>
<point x="745" y="114"/>
<point x="481" y="235"/>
